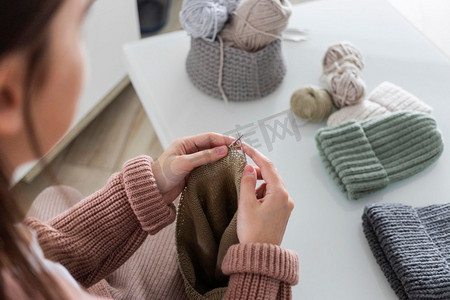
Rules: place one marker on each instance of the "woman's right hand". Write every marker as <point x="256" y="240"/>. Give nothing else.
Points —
<point x="263" y="213"/>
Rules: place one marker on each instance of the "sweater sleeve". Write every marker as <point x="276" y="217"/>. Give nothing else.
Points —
<point x="100" y="233"/>
<point x="260" y="271"/>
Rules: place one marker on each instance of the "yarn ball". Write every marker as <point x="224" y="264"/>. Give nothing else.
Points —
<point x="203" y="19"/>
<point x="347" y="87"/>
<point x="341" y="53"/>
<point x="311" y="103"/>
<point x="342" y="65"/>
<point x="256" y="23"/>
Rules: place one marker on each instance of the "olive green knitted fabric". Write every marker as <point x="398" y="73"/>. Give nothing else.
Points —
<point x="206" y="225"/>
<point x="365" y="157"/>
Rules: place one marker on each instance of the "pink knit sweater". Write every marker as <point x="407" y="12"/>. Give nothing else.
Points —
<point x="99" y="234"/>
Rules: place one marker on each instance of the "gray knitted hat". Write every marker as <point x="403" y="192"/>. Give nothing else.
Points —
<point x="365" y="157"/>
<point x="245" y="75"/>
<point x="412" y="247"/>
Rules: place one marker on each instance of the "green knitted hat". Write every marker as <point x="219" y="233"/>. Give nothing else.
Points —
<point x="365" y="157"/>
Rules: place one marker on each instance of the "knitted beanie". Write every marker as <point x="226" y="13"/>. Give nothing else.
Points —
<point x="412" y="247"/>
<point x="365" y="157"/>
<point x="206" y="225"/>
<point x="383" y="100"/>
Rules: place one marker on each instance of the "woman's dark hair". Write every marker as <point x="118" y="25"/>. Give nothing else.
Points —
<point x="24" y="27"/>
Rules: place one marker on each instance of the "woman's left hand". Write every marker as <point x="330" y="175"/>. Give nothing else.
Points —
<point x="184" y="155"/>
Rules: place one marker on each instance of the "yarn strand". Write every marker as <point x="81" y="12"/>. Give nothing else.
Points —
<point x="221" y="63"/>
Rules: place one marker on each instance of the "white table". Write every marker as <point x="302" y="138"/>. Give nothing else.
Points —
<point x="325" y="228"/>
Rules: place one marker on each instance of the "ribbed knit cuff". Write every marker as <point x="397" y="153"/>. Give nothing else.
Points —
<point x="408" y="245"/>
<point x="395" y="99"/>
<point x="350" y="160"/>
<point x="144" y="197"/>
<point x="262" y="259"/>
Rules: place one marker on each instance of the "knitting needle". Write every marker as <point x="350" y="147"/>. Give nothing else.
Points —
<point x="237" y="140"/>
<point x="237" y="144"/>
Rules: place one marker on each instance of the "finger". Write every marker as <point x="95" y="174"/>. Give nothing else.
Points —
<point x="205" y="141"/>
<point x="204" y="157"/>
<point x="248" y="183"/>
<point x="261" y="191"/>
<point x="258" y="173"/>
<point x="268" y="171"/>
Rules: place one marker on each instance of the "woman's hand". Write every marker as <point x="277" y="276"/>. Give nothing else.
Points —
<point x="263" y="213"/>
<point x="182" y="156"/>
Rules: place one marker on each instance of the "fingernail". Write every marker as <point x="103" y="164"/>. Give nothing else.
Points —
<point x="221" y="150"/>
<point x="248" y="170"/>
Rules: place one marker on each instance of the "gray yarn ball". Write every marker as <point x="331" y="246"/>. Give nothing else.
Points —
<point x="311" y="103"/>
<point x="203" y="19"/>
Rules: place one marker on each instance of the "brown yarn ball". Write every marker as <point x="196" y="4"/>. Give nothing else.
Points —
<point x="311" y="103"/>
<point x="341" y="53"/>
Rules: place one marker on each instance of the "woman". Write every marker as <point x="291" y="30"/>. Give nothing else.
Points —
<point x="41" y="76"/>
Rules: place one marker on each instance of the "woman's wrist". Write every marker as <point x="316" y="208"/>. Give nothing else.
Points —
<point x="144" y="196"/>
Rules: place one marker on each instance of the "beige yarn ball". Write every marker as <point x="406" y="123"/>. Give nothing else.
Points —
<point x="347" y="88"/>
<point x="311" y="103"/>
<point x="342" y="53"/>
<point x="256" y="23"/>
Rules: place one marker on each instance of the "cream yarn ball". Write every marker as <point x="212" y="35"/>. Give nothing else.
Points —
<point x="342" y="67"/>
<point x="311" y="103"/>
<point x="341" y="53"/>
<point x="347" y="87"/>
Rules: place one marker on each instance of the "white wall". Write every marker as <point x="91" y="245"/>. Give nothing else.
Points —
<point x="109" y="25"/>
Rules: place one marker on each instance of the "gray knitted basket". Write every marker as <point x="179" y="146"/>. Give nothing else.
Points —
<point x="245" y="76"/>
